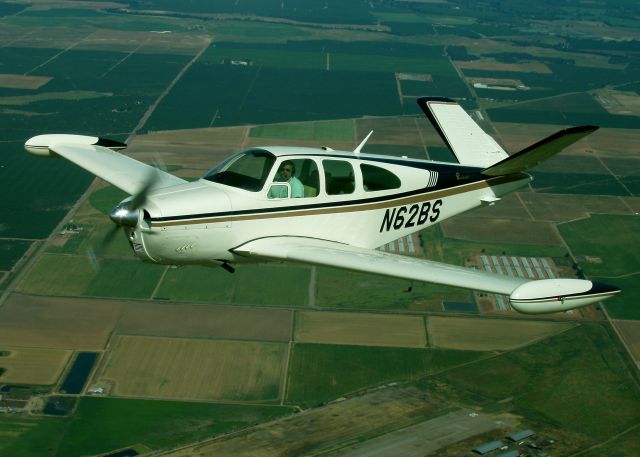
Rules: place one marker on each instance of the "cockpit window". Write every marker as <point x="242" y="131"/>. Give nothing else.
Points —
<point x="247" y="170"/>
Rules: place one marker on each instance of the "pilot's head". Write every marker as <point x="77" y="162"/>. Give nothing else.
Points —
<point x="287" y="170"/>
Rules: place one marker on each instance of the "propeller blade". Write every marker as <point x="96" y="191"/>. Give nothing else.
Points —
<point x="141" y="196"/>
<point x="93" y="260"/>
<point x="93" y="252"/>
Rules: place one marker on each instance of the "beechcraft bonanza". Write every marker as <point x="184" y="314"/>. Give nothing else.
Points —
<point x="326" y="207"/>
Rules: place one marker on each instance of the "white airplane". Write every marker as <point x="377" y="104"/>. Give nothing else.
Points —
<point x="325" y="207"/>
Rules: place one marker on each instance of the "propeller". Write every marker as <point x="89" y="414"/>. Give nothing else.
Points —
<point x="127" y="213"/>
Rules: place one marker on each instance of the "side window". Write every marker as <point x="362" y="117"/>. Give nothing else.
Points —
<point x="338" y="176"/>
<point x="295" y="178"/>
<point x="376" y="178"/>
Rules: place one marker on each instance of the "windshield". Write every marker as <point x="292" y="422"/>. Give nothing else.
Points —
<point x="246" y="170"/>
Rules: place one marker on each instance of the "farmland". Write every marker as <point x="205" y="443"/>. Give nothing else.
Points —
<point x="190" y="83"/>
<point x="156" y="424"/>
<point x="361" y="329"/>
<point x="205" y="321"/>
<point x="556" y="389"/>
<point x="57" y="323"/>
<point x="488" y="334"/>
<point x="32" y="365"/>
<point x="185" y="368"/>
<point x="318" y="373"/>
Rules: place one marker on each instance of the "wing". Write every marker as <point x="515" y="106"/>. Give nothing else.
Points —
<point x="527" y="296"/>
<point x="462" y="135"/>
<point x="123" y="172"/>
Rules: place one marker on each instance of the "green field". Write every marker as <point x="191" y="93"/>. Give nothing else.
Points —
<point x="119" y="278"/>
<point x="11" y="251"/>
<point x="625" y="305"/>
<point x="58" y="275"/>
<point x="609" y="237"/>
<point x="579" y="381"/>
<point x="626" y="445"/>
<point x="578" y="184"/>
<point x="75" y="276"/>
<point x="123" y="423"/>
<point x="278" y="285"/>
<point x="603" y="247"/>
<point x="321" y="372"/>
<point x="46" y="189"/>
<point x="30" y="436"/>
<point x="457" y="251"/>
<point x="197" y="284"/>
<point x="347" y="289"/>
<point x="105" y="199"/>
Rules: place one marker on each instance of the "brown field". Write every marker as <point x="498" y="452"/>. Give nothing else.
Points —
<point x="496" y="81"/>
<point x="144" y="42"/>
<point x="103" y="39"/>
<point x="58" y="323"/>
<point x="33" y="365"/>
<point x="608" y="143"/>
<point x="195" y="150"/>
<point x="515" y="137"/>
<point x="617" y="102"/>
<point x="206" y="321"/>
<point x="488" y="46"/>
<point x="194" y="369"/>
<point x="562" y="208"/>
<point x="23" y="82"/>
<point x="615" y="143"/>
<point x="509" y="207"/>
<point x="360" y="329"/>
<point x="630" y="331"/>
<point x="407" y="131"/>
<point x="414" y="76"/>
<point x="482" y="334"/>
<point x="492" y="65"/>
<point x="338" y="145"/>
<point x="32" y="37"/>
<point x="501" y="230"/>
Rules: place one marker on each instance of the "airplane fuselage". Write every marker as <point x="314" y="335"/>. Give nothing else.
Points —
<point x="199" y="224"/>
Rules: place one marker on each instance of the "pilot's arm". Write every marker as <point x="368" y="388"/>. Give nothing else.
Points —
<point x="297" y="189"/>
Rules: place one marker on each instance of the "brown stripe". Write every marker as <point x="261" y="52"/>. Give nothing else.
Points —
<point x="350" y="208"/>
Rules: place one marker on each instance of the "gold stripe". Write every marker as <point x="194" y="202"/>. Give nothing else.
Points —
<point x="350" y="208"/>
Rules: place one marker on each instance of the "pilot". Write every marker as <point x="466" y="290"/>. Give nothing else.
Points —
<point x="286" y="173"/>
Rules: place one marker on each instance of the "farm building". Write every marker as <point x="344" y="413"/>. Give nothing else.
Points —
<point x="488" y="447"/>
<point x="521" y="435"/>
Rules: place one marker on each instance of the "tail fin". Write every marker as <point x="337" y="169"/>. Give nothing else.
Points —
<point x="539" y="152"/>
<point x="470" y="144"/>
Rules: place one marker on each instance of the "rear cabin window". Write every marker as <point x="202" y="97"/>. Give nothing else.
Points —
<point x="246" y="170"/>
<point x="376" y="178"/>
<point x="338" y="176"/>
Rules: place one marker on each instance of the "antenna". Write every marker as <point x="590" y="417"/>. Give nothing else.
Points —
<point x="356" y="151"/>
